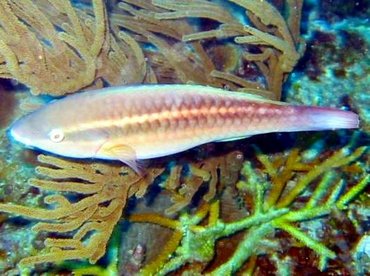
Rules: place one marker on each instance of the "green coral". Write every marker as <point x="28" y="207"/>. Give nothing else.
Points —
<point x="197" y="242"/>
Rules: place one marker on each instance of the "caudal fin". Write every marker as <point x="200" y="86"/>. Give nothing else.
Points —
<point x="320" y="118"/>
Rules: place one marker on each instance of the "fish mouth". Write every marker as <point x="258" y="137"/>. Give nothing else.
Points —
<point x="16" y="135"/>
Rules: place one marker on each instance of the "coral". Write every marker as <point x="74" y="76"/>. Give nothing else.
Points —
<point x="7" y="102"/>
<point x="35" y="53"/>
<point x="103" y="191"/>
<point x="336" y="61"/>
<point x="277" y="39"/>
<point x="86" y="224"/>
<point x="214" y="224"/>
<point x="275" y="205"/>
<point x="218" y="172"/>
<point x="362" y="255"/>
<point x="111" y="269"/>
<point x="55" y="48"/>
<point x="267" y="46"/>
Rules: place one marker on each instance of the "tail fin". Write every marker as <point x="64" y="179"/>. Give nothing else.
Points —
<point x="320" y="118"/>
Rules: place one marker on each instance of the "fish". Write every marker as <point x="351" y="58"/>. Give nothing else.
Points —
<point x="141" y="122"/>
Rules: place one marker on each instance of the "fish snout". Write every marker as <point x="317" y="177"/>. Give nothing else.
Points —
<point x="22" y="133"/>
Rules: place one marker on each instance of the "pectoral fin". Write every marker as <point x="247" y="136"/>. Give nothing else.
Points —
<point x="125" y="154"/>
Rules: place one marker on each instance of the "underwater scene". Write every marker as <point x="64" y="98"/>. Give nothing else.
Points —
<point x="189" y="137"/>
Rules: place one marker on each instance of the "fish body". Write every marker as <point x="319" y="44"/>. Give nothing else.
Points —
<point x="148" y="121"/>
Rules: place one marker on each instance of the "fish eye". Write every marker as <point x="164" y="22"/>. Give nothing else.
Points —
<point x="56" y="135"/>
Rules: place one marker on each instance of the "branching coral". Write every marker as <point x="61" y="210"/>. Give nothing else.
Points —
<point x="172" y="61"/>
<point x="89" y="221"/>
<point x="218" y="172"/>
<point x="86" y="224"/>
<point x="272" y="209"/>
<point x="58" y="47"/>
<point x="277" y="38"/>
<point x="55" y="48"/>
<point x="184" y="54"/>
<point x="47" y="60"/>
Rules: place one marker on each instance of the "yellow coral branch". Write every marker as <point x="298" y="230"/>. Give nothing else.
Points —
<point x="154" y="266"/>
<point x="155" y="218"/>
<point x="340" y="158"/>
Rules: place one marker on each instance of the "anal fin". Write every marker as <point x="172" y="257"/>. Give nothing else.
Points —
<point x="233" y="138"/>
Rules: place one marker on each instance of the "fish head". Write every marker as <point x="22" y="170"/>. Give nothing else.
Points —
<point x="54" y="130"/>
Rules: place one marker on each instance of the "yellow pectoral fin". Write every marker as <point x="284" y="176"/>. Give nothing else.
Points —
<point x="120" y="151"/>
<point x="124" y="153"/>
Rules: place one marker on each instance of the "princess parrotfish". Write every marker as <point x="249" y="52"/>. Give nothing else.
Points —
<point x="148" y="121"/>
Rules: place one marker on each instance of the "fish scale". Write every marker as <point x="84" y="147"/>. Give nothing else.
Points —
<point x="148" y="121"/>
